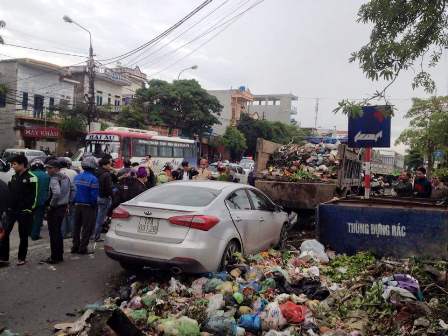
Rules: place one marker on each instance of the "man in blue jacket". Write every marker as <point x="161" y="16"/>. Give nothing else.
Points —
<point x="85" y="205"/>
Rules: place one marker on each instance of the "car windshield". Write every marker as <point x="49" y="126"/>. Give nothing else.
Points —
<point x="178" y="194"/>
<point x="35" y="153"/>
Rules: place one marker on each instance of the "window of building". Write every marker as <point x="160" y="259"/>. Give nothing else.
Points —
<point x="38" y="110"/>
<point x="109" y="100"/>
<point x="25" y="100"/>
<point x="99" y="100"/>
<point x="2" y="99"/>
<point x="117" y="102"/>
<point x="51" y="104"/>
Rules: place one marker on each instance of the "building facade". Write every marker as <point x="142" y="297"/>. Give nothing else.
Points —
<point x="234" y="102"/>
<point x="273" y="107"/>
<point x="109" y="86"/>
<point x="29" y="113"/>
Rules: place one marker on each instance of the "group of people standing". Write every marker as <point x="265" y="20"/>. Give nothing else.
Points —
<point x="422" y="186"/>
<point x="75" y="204"/>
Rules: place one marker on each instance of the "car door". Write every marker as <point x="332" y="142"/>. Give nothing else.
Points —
<point x="264" y="211"/>
<point x="247" y="224"/>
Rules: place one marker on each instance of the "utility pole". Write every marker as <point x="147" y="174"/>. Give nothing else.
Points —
<point x="316" y="112"/>
<point x="91" y="95"/>
<point x="91" y="111"/>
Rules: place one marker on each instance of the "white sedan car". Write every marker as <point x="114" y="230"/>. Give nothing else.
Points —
<point x="194" y="227"/>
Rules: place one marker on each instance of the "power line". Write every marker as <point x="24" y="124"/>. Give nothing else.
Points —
<point x="224" y="26"/>
<point x="215" y="26"/>
<point x="163" y="34"/>
<point x="44" y="50"/>
<point x="137" y="60"/>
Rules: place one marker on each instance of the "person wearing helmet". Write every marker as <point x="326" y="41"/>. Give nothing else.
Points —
<point x="43" y="181"/>
<point x="85" y="205"/>
<point x="166" y="175"/>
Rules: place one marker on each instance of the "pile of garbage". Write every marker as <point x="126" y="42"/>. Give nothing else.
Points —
<point x="309" y="162"/>
<point x="280" y="293"/>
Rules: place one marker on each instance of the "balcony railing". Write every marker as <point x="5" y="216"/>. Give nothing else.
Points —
<point x="45" y="114"/>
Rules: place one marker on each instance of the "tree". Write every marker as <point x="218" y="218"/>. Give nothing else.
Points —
<point x="427" y="127"/>
<point x="413" y="159"/>
<point x="405" y="35"/>
<point x="273" y="131"/>
<point x="234" y="141"/>
<point x="130" y="117"/>
<point x="74" y="121"/>
<point x="183" y="104"/>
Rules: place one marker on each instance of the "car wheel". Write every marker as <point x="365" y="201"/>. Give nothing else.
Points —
<point x="131" y="268"/>
<point x="228" y="257"/>
<point x="283" y="237"/>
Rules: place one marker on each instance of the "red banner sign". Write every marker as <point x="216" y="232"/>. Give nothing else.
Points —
<point x="41" y="132"/>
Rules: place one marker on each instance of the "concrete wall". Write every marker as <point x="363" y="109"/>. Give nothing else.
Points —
<point x="8" y="75"/>
<point x="224" y="98"/>
<point x="42" y="82"/>
<point x="280" y="112"/>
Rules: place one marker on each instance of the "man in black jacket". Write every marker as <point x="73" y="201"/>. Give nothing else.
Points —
<point x="186" y="173"/>
<point x="23" y="197"/>
<point x="104" y="195"/>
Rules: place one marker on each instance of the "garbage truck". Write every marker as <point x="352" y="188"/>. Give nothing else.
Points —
<point x="303" y="196"/>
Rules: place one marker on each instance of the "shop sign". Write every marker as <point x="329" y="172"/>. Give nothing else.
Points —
<point x="41" y="132"/>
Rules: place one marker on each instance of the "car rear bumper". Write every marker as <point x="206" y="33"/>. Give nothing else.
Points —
<point x="181" y="265"/>
<point x="201" y="254"/>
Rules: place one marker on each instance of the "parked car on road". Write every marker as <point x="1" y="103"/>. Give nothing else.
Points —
<point x="238" y="171"/>
<point x="30" y="154"/>
<point x="5" y="171"/>
<point x="194" y="227"/>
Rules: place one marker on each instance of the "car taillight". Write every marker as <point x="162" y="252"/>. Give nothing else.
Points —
<point x="120" y="213"/>
<point x="199" y="222"/>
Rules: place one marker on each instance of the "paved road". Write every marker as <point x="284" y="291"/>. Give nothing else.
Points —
<point x="34" y="297"/>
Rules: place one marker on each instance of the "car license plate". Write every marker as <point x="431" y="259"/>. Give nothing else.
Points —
<point x="148" y="225"/>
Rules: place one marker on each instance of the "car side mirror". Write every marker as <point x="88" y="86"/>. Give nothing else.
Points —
<point x="278" y="208"/>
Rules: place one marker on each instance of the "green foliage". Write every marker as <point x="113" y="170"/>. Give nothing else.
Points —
<point x="442" y="173"/>
<point x="301" y="175"/>
<point x="272" y="131"/>
<point x="73" y="127"/>
<point x="345" y="267"/>
<point x="3" y="89"/>
<point x="183" y="104"/>
<point x="403" y="34"/>
<point x="234" y="141"/>
<point x="130" y="117"/>
<point x="428" y="122"/>
<point x="413" y="159"/>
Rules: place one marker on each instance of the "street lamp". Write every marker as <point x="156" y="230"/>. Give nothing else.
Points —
<point x="194" y="67"/>
<point x="91" y="71"/>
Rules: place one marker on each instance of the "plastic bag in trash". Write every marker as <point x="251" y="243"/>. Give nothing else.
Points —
<point x="197" y="287"/>
<point x="239" y="298"/>
<point x="221" y="326"/>
<point x="139" y="315"/>
<point x="272" y="317"/>
<point x="212" y="284"/>
<point x="135" y="303"/>
<point x="250" y="322"/>
<point x="314" y="249"/>
<point x="226" y="287"/>
<point x="183" y="326"/>
<point x="216" y="302"/>
<point x="224" y="276"/>
<point x="293" y="313"/>
<point x="175" y="286"/>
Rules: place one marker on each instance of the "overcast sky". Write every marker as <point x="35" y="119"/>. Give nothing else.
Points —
<point x="280" y="46"/>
